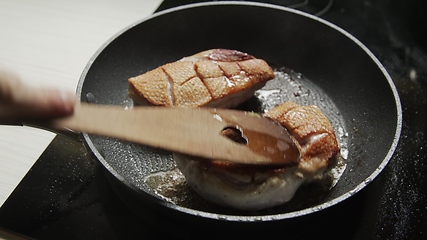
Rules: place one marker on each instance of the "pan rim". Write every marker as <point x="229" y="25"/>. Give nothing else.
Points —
<point x="257" y="218"/>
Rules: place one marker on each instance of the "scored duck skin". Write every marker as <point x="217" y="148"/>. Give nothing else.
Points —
<point x="215" y="78"/>
<point x="312" y="132"/>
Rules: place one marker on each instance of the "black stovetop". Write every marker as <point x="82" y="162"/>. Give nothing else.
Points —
<point x="66" y="195"/>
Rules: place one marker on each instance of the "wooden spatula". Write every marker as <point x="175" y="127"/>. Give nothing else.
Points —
<point x="192" y="131"/>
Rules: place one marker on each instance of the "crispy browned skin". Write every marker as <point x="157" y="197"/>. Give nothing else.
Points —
<point x="312" y="131"/>
<point x="200" y="79"/>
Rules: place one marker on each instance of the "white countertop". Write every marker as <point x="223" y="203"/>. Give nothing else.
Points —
<point x="50" y="42"/>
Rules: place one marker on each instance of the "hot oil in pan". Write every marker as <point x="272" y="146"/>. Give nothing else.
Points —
<point x="288" y="85"/>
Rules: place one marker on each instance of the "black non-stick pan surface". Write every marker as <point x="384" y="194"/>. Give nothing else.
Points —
<point x="315" y="63"/>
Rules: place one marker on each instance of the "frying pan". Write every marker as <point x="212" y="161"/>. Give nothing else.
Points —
<point x="315" y="61"/>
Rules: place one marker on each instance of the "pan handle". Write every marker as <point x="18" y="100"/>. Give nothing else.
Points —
<point x="66" y="132"/>
<point x="73" y="135"/>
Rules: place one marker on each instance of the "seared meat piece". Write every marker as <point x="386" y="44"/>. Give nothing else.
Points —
<point x="312" y="131"/>
<point x="257" y="187"/>
<point x="215" y="78"/>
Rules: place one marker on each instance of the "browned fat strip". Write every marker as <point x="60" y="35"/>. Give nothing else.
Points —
<point x="221" y="55"/>
<point x="225" y="55"/>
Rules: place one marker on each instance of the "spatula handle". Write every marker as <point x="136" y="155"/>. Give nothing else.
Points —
<point x="189" y="131"/>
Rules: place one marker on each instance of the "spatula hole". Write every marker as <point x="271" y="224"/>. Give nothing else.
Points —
<point x="234" y="134"/>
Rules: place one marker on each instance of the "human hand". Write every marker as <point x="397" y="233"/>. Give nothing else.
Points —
<point x="21" y="103"/>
